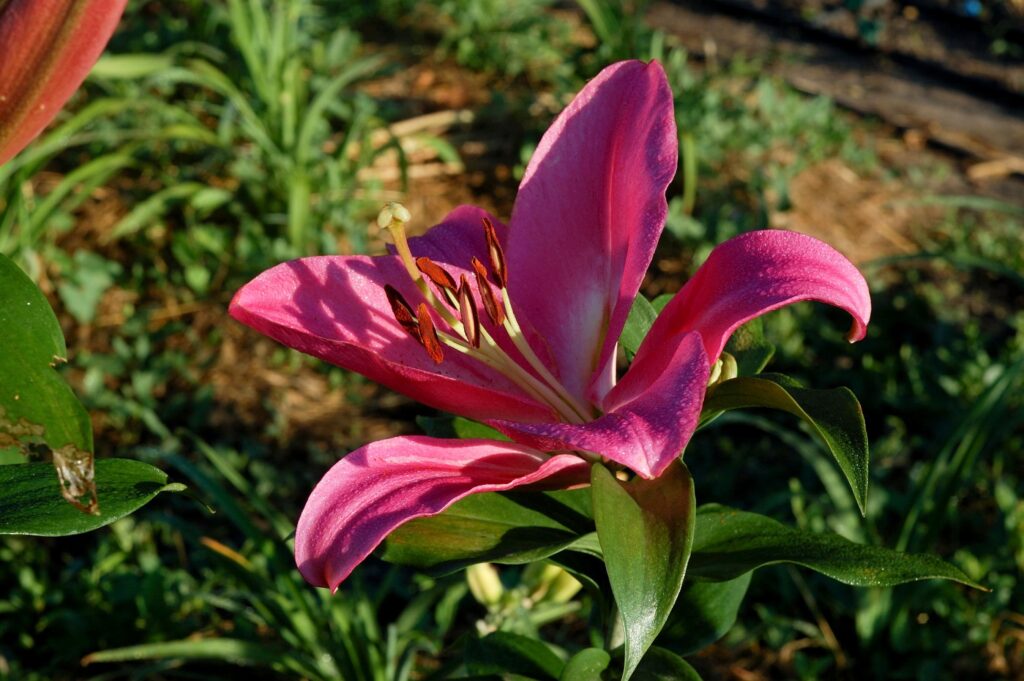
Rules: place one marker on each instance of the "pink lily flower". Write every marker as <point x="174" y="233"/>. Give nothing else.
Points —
<point x="528" y="344"/>
<point x="47" y="48"/>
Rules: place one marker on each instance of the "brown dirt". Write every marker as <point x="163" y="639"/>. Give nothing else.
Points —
<point x="863" y="217"/>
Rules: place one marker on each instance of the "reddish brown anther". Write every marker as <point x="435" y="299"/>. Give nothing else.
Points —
<point x="403" y="312"/>
<point x="467" y="310"/>
<point x="437" y="274"/>
<point x="428" y="335"/>
<point x="496" y="253"/>
<point x="494" y="306"/>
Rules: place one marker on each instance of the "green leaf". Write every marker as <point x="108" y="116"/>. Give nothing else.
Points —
<point x="661" y="301"/>
<point x="646" y="530"/>
<point x="750" y="348"/>
<point x="30" y="500"/>
<point x="153" y="208"/>
<point x="638" y="323"/>
<point x="729" y="543"/>
<point x="506" y="653"/>
<point x="85" y="284"/>
<point x="470" y="430"/>
<point x="235" y="651"/>
<point x="835" y="415"/>
<point x="661" y="665"/>
<point x="586" y="665"/>
<point x="704" y="613"/>
<point x="36" y="405"/>
<point x="130" y="66"/>
<point x="462" y="428"/>
<point x="513" y="527"/>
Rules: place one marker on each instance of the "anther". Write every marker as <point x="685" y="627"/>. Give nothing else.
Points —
<point x="403" y="313"/>
<point x="496" y="254"/>
<point x="467" y="309"/>
<point x="494" y="306"/>
<point x="428" y="335"/>
<point x="437" y="274"/>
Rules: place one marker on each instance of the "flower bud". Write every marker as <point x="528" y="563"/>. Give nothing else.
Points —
<point x="47" y="48"/>
<point x="485" y="584"/>
<point x="563" y="588"/>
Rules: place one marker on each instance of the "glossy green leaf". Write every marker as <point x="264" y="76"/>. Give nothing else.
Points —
<point x="704" y="613"/>
<point x="514" y="527"/>
<point x="586" y="665"/>
<point x="729" y="543"/>
<point x="646" y="529"/>
<point x="505" y="653"/>
<point x="30" y="501"/>
<point x="37" y="407"/>
<point x="835" y="415"/>
<point x="662" y="665"/>
<point x="638" y="323"/>
<point x="750" y="348"/>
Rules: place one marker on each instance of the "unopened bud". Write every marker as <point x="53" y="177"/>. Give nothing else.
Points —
<point x="724" y="369"/>
<point x="391" y="213"/>
<point x="540" y="576"/>
<point x="729" y="368"/>
<point x="485" y="584"/>
<point x="563" y="588"/>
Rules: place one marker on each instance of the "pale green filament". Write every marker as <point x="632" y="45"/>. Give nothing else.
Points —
<point x="549" y="390"/>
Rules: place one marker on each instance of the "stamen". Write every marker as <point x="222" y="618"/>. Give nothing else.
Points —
<point x="391" y="213"/>
<point x="495" y="306"/>
<point x="428" y="334"/>
<point x="436" y="274"/>
<point x="496" y="253"/>
<point x="441" y="278"/>
<point x="403" y="313"/>
<point x="467" y="309"/>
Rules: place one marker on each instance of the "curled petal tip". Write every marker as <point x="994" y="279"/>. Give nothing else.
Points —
<point x="385" y="484"/>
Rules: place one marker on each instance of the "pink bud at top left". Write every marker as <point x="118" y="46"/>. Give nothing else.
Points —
<point x="47" y="48"/>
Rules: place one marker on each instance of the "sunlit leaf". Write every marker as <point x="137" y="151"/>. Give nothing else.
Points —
<point x="835" y="415"/>
<point x="30" y="501"/>
<point x="729" y="543"/>
<point x="36" y="405"/>
<point x="646" y="530"/>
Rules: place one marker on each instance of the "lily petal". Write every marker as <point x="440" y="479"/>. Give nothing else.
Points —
<point x="755" y="273"/>
<point x="375" y="489"/>
<point x="47" y="48"/>
<point x="335" y="308"/>
<point x="650" y="414"/>
<point x="588" y="216"/>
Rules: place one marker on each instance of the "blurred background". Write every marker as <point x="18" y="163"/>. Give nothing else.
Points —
<point x="219" y="137"/>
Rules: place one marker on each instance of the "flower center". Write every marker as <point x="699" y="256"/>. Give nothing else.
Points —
<point x="456" y="304"/>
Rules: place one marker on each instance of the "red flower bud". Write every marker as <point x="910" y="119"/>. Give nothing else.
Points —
<point x="47" y="48"/>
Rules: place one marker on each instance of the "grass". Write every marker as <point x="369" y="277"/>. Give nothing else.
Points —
<point x="235" y="135"/>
